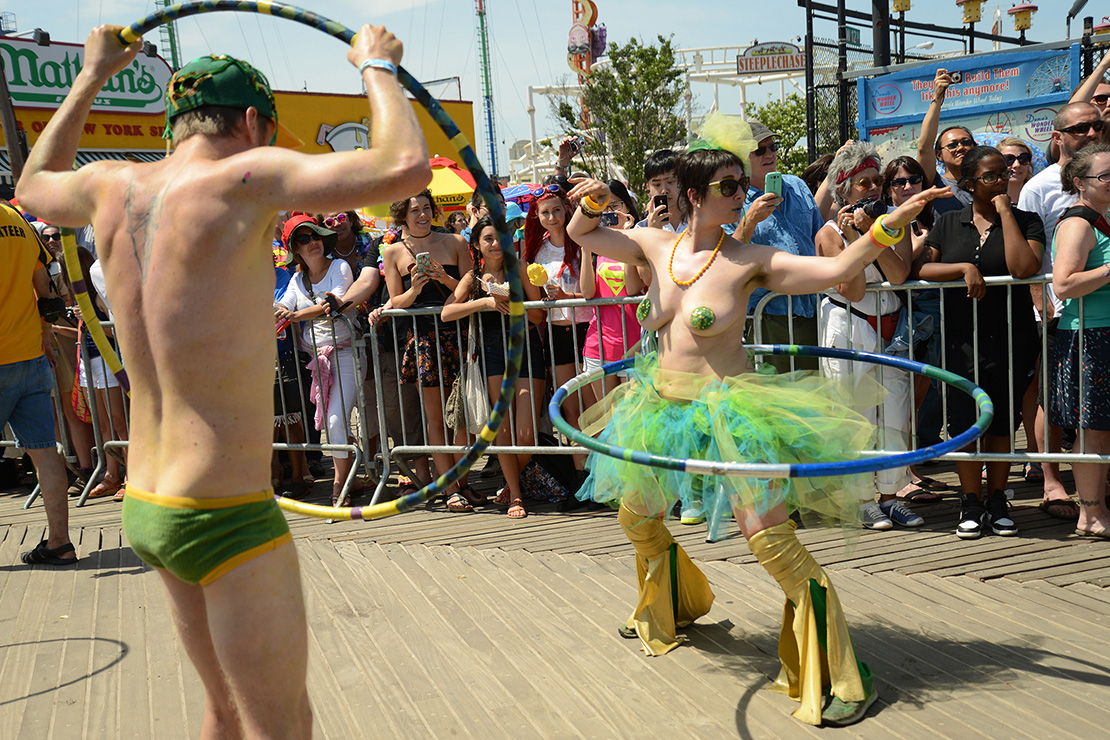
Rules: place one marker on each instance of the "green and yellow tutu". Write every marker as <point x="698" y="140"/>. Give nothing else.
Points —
<point x="792" y="418"/>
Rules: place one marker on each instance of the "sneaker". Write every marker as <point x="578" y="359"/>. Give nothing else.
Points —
<point x="971" y="517"/>
<point x="873" y="517"/>
<point x="998" y="515"/>
<point x="691" y="515"/>
<point x="902" y="515"/>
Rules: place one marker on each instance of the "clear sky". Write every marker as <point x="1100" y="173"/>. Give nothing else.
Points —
<point x="528" y="38"/>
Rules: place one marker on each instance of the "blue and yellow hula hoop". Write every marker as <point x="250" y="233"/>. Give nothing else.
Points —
<point x="466" y="153"/>
<point x="782" y="470"/>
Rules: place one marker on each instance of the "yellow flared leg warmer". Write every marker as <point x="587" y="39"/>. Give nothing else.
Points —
<point x="673" y="591"/>
<point x="814" y="646"/>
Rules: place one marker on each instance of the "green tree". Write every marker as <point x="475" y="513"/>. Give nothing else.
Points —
<point x="788" y="120"/>
<point x="634" y="107"/>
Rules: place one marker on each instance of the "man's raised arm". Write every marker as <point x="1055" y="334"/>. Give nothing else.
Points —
<point x="48" y="180"/>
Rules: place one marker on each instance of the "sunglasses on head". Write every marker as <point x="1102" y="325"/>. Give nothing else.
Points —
<point x="541" y="191"/>
<point x="1081" y="128"/>
<point x="773" y="146"/>
<point x="901" y="182"/>
<point x="991" y="178"/>
<point x="866" y="183"/>
<point x="729" y="186"/>
<point x="953" y="146"/>
<point x="307" y="237"/>
<point x="332" y="221"/>
<point x="1023" y="158"/>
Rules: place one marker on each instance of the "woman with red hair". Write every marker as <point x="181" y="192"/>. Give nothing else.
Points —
<point x="547" y="243"/>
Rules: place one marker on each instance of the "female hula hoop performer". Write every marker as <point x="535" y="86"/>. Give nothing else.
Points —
<point x="185" y="246"/>
<point x="697" y="397"/>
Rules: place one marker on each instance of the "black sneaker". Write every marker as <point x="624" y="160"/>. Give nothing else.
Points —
<point x="971" y="517"/>
<point x="998" y="515"/>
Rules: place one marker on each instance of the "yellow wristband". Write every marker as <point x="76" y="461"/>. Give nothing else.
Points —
<point x="593" y="205"/>
<point x="880" y="236"/>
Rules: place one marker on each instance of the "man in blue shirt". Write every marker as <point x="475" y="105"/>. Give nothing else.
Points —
<point x="789" y="224"/>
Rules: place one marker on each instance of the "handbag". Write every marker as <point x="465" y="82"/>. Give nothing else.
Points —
<point x="476" y="396"/>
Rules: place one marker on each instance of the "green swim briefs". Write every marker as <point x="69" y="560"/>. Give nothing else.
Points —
<point x="200" y="539"/>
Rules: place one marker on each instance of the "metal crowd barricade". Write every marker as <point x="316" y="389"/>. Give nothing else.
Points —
<point x="405" y="321"/>
<point x="940" y="335"/>
<point x="103" y="447"/>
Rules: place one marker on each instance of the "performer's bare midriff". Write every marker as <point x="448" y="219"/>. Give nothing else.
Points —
<point x="187" y="259"/>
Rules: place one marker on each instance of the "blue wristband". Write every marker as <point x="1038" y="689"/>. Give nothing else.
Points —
<point x="385" y="64"/>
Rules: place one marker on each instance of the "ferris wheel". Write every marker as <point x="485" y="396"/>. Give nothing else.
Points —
<point x="1051" y="76"/>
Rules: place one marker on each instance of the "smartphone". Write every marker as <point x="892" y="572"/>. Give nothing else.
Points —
<point x="609" y="219"/>
<point x="773" y="183"/>
<point x="660" y="200"/>
<point x="423" y="261"/>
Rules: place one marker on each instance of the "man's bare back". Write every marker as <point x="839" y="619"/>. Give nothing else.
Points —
<point x="187" y="239"/>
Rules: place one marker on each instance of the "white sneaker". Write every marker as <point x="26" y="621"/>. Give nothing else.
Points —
<point x="873" y="517"/>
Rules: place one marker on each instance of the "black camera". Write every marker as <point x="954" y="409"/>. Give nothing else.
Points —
<point x="51" y="309"/>
<point x="873" y="207"/>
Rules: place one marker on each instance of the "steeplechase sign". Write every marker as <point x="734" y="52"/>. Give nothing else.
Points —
<point x="771" y="57"/>
<point x="41" y="77"/>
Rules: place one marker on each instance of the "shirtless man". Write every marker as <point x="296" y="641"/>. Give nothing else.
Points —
<point x="186" y="250"/>
<point x="697" y="304"/>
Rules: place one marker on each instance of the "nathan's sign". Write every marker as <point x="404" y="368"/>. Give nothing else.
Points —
<point x="773" y="57"/>
<point x="41" y="77"/>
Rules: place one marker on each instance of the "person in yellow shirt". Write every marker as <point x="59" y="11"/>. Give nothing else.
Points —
<point x="26" y="379"/>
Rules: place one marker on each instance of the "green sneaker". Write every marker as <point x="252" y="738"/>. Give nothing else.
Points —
<point x="840" y="713"/>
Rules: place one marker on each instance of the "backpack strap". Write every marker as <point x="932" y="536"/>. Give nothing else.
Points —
<point x="1090" y="215"/>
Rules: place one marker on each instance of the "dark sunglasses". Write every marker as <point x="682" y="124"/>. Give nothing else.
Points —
<point x="332" y="221"/>
<point x="729" y="186"/>
<point x="901" y="182"/>
<point x="1023" y="158"/>
<point x="538" y="192"/>
<point x="52" y="237"/>
<point x="773" y="146"/>
<point x="1081" y="128"/>
<point x="991" y="178"/>
<point x="307" y="238"/>
<point x="965" y="143"/>
<point x="1100" y="99"/>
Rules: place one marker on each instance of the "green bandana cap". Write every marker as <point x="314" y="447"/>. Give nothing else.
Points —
<point x="218" y="80"/>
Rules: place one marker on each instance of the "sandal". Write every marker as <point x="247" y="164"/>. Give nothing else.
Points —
<point x="472" y="496"/>
<point x="930" y="484"/>
<point x="1059" y="504"/>
<point x="502" y="497"/>
<point x="516" y="509"/>
<point x="106" y="488"/>
<point x="43" y="555"/>
<point x="457" y="504"/>
<point x="1034" y="473"/>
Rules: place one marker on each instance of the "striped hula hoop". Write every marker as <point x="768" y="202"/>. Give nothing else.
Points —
<point x="779" y="470"/>
<point x="469" y="159"/>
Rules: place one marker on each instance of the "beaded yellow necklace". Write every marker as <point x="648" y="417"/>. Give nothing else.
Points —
<point x="691" y="281"/>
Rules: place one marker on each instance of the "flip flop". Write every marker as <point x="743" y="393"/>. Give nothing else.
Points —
<point x="930" y="484"/>
<point x="472" y="496"/>
<point x="920" y="495"/>
<point x="43" y="555"/>
<point x="1034" y="473"/>
<point x="1045" y="506"/>
<point x="457" y="504"/>
<point x="1096" y="533"/>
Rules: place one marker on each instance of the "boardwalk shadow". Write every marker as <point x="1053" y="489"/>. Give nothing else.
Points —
<point x="120" y="650"/>
<point x="913" y="669"/>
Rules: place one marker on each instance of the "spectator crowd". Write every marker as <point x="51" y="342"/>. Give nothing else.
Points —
<point x="428" y="301"/>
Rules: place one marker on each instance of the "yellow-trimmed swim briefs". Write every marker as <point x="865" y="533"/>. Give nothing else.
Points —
<point x="200" y="539"/>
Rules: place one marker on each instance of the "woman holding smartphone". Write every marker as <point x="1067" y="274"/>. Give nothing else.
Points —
<point x="422" y="269"/>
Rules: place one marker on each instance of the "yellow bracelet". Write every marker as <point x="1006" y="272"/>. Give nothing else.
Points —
<point x="587" y="210"/>
<point x="593" y="205"/>
<point x="880" y="236"/>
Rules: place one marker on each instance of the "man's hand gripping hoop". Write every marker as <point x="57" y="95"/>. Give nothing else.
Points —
<point x="469" y="159"/>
